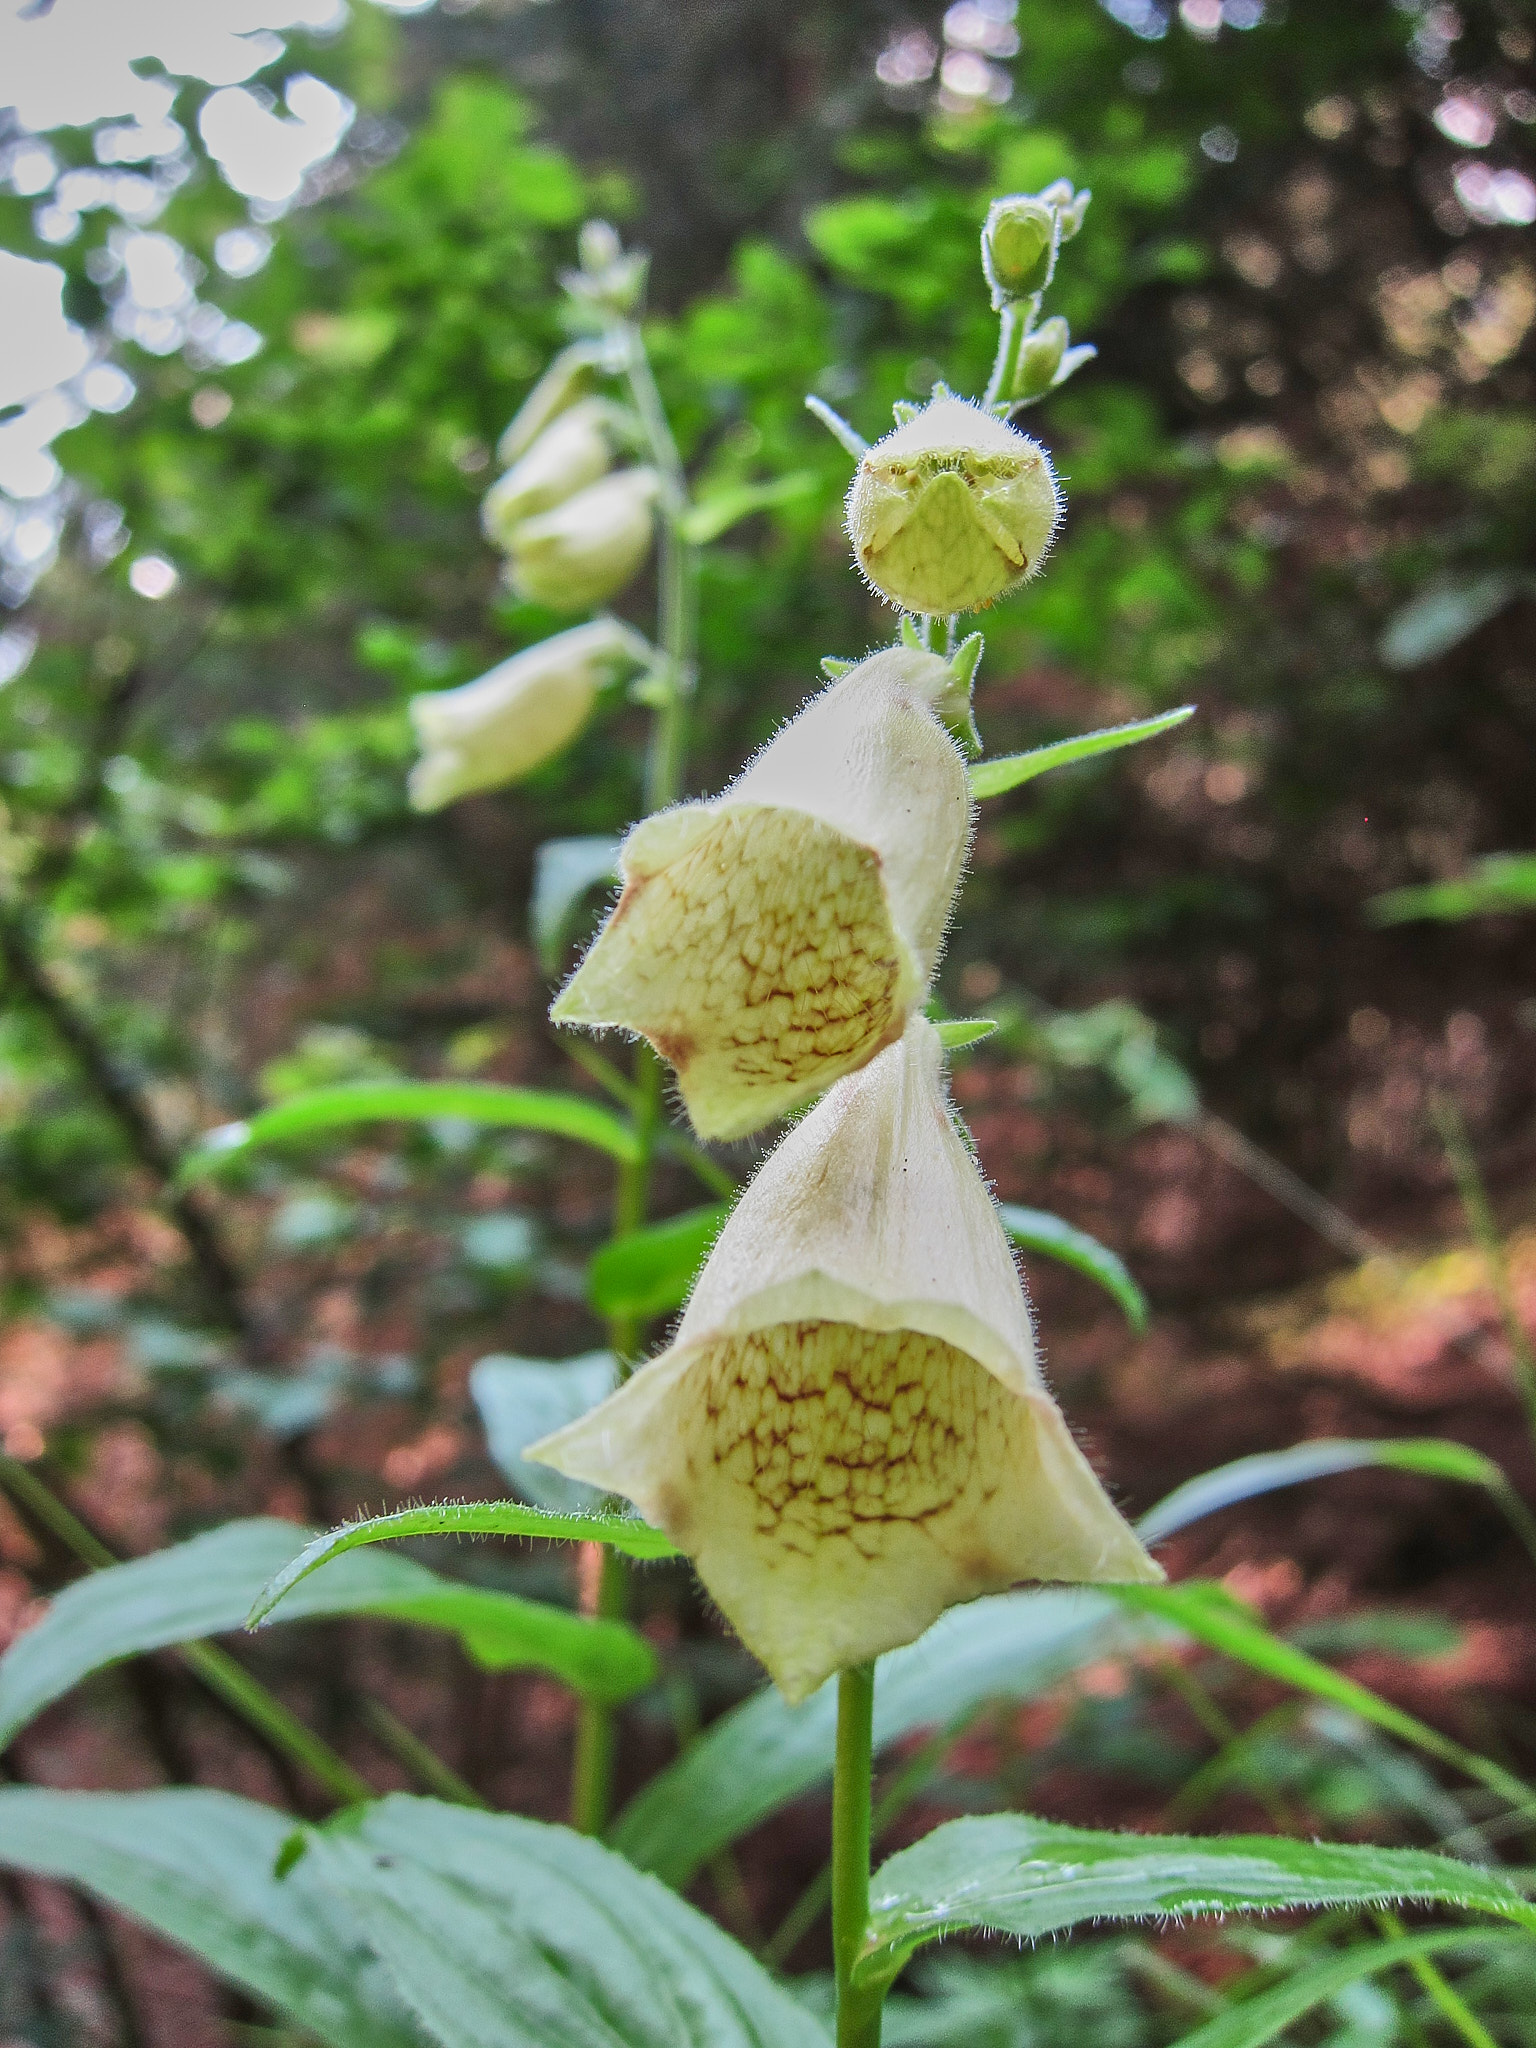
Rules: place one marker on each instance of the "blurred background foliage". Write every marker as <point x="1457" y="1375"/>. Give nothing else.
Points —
<point x="1300" y="479"/>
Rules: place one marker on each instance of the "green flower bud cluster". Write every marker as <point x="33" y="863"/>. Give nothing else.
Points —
<point x="1019" y="247"/>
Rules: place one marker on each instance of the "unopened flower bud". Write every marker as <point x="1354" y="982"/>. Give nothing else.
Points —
<point x="1039" y="359"/>
<point x="951" y="510"/>
<point x="850" y="1432"/>
<point x="525" y="710"/>
<point x="1070" y="207"/>
<point x="571" y="453"/>
<point x="773" y="939"/>
<point x="569" y="377"/>
<point x="585" y="550"/>
<point x="1018" y="247"/>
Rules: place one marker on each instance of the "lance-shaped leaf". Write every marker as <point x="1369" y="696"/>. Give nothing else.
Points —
<point x="777" y="937"/>
<point x="1037" y="1230"/>
<point x="1008" y="771"/>
<point x="521" y="1399"/>
<point x="850" y="1431"/>
<point x="205" y="1587"/>
<point x="564" y="870"/>
<point x="1264" y="1472"/>
<point x="358" y="1102"/>
<point x="459" y="1518"/>
<point x="1011" y="1874"/>
<point x="198" y="1867"/>
<point x="648" y="1272"/>
<point x="505" y="1933"/>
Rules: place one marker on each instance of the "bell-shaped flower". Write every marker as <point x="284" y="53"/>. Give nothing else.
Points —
<point x="569" y="377"/>
<point x="952" y="509"/>
<point x="776" y="937"/>
<point x="572" y="453"/>
<point x="849" y="1432"/>
<point x="584" y="551"/>
<point x="501" y="726"/>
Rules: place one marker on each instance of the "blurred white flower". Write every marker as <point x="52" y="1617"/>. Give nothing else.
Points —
<point x="526" y="709"/>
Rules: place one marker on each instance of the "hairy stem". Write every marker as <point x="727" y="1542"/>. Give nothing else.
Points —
<point x="858" y="2012"/>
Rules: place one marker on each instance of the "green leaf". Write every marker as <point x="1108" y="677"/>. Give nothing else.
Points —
<point x="1012" y="1874"/>
<point x="198" y="1867"/>
<point x="1498" y="883"/>
<point x="648" y="1272"/>
<point x="992" y="778"/>
<point x="522" y="1399"/>
<point x="506" y="1933"/>
<point x="1260" y="2019"/>
<point x="957" y="1031"/>
<point x="1210" y="1614"/>
<point x="563" y="871"/>
<point x="355" y="1102"/>
<point x="719" y="512"/>
<point x="1440" y="619"/>
<point x="460" y="1518"/>
<point x="763" y="1753"/>
<point x="205" y="1587"/>
<point x="1036" y="1230"/>
<point x="1245" y="1478"/>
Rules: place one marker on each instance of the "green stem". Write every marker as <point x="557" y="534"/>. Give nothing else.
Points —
<point x="1451" y="2006"/>
<point x="1017" y="323"/>
<point x="596" y="1727"/>
<point x="247" y="1696"/>
<point x="858" y="2012"/>
<point x="676" y="633"/>
<point x="1485" y="1231"/>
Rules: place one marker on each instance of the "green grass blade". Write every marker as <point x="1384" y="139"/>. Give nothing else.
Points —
<point x="1258" y="2020"/>
<point x="460" y="1518"/>
<point x="355" y="1102"/>
<point x="993" y="778"/>
<point x="1210" y="1614"/>
<point x="1246" y="1478"/>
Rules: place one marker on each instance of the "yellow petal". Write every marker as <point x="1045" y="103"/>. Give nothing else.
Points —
<point x="777" y="938"/>
<point x="850" y="1432"/>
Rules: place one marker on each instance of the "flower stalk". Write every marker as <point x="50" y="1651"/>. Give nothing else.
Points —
<point x="669" y="689"/>
<point x="858" y="2011"/>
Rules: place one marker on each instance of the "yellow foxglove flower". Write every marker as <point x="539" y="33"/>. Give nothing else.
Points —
<point x="772" y="939"/>
<point x="501" y="726"/>
<point x="585" y="550"/>
<point x="572" y="453"/>
<point x="952" y="509"/>
<point x="850" y="1432"/>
